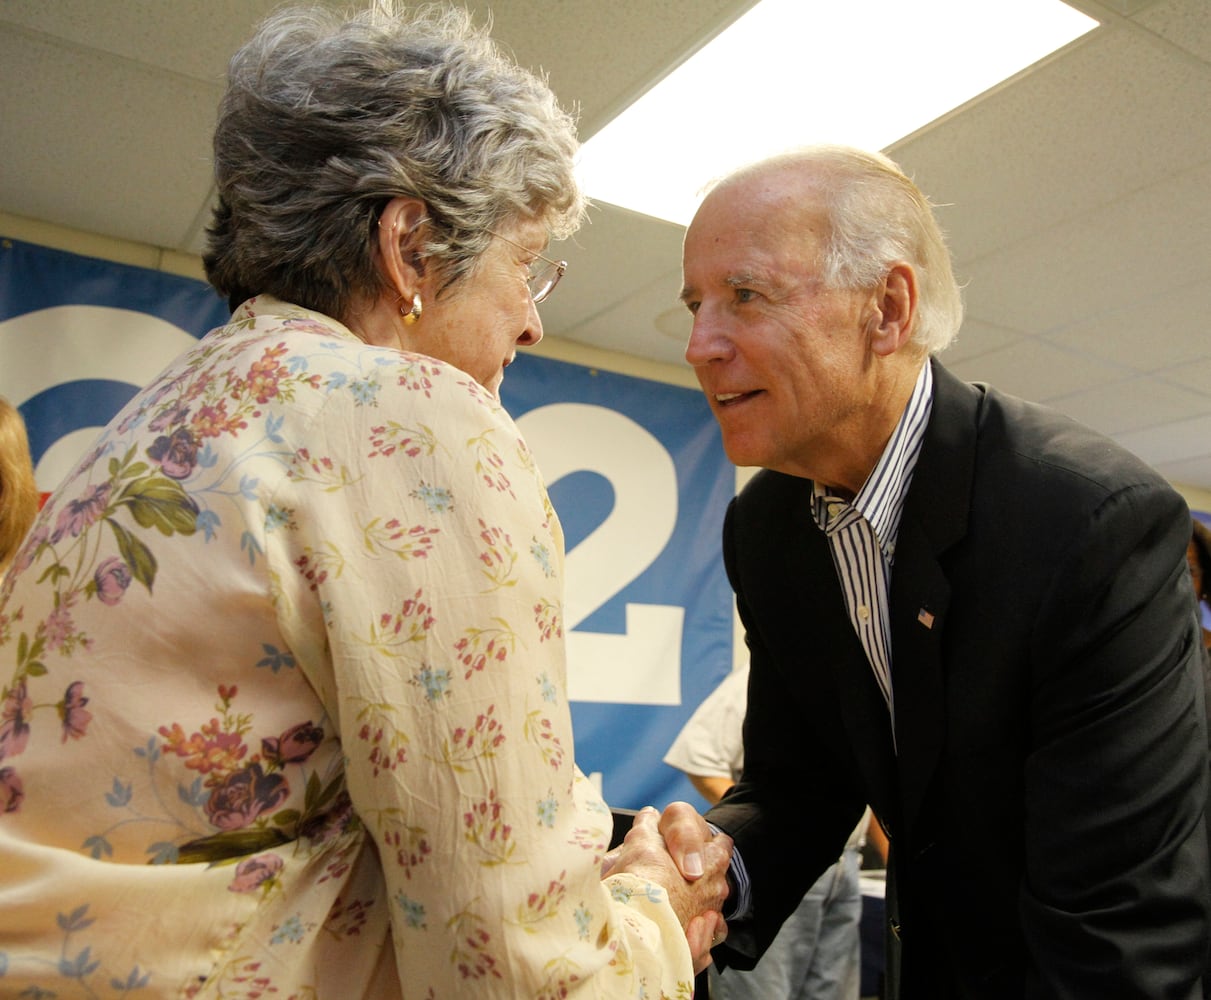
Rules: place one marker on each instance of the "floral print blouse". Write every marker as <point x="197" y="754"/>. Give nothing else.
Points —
<point x="283" y="704"/>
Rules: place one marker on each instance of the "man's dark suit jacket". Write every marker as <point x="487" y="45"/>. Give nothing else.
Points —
<point x="1045" y="794"/>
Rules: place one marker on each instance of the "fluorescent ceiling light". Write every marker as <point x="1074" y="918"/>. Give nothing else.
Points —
<point x="792" y="72"/>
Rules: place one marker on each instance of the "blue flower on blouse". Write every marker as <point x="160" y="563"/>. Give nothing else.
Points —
<point x="414" y="912"/>
<point x="365" y="391"/>
<point x="620" y="892"/>
<point x="435" y="682"/>
<point x="437" y="499"/>
<point x="291" y="930"/>
<point x="542" y="555"/>
<point x="546" y="811"/>
<point x="584" y="921"/>
<point x="277" y="517"/>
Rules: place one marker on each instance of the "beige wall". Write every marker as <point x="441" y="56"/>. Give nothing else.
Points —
<point x="1197" y="499"/>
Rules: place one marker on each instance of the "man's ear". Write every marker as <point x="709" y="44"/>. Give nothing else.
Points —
<point x="401" y="230"/>
<point x="895" y="310"/>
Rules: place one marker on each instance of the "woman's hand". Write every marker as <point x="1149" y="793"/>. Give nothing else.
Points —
<point x="696" y="885"/>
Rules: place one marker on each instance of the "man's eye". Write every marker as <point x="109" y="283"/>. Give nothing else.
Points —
<point x="745" y="295"/>
<point x="693" y="306"/>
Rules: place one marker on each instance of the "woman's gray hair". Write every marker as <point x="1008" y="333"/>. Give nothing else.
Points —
<point x="877" y="216"/>
<point x="327" y="117"/>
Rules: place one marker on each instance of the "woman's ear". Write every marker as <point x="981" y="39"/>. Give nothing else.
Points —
<point x="401" y="229"/>
<point x="896" y="310"/>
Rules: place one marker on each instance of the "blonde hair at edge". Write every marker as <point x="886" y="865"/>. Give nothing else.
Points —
<point x="18" y="491"/>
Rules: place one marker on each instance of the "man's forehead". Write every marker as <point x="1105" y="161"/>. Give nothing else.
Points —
<point x="751" y="249"/>
<point x="742" y="278"/>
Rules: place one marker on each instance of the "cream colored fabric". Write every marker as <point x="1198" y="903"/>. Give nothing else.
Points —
<point x="284" y="705"/>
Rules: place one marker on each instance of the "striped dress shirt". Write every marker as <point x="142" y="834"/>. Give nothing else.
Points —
<point x="862" y="532"/>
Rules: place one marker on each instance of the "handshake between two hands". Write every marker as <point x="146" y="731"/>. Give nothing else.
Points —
<point x="677" y="850"/>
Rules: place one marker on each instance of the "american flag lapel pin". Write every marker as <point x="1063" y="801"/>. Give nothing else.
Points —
<point x="925" y="618"/>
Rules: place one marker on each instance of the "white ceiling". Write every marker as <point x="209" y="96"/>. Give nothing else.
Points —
<point x="1077" y="194"/>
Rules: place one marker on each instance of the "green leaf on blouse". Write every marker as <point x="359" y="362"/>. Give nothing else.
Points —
<point x="319" y="795"/>
<point x="137" y="556"/>
<point x="160" y="503"/>
<point x="231" y="846"/>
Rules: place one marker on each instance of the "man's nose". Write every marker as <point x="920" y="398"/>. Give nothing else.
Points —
<point x="708" y="340"/>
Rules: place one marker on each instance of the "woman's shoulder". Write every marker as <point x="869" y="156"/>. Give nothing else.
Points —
<point x="274" y="344"/>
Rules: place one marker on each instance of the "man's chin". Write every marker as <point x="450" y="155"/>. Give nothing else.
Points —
<point x="743" y="452"/>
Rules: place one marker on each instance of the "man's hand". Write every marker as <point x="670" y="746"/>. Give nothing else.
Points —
<point x="687" y="837"/>
<point x="696" y="888"/>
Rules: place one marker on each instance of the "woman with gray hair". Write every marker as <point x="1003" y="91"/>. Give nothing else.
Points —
<point x="283" y="706"/>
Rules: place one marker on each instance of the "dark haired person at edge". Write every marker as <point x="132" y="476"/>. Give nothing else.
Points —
<point x="982" y="607"/>
<point x="283" y="705"/>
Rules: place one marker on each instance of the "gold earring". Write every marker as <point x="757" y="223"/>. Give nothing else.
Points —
<point x="412" y="315"/>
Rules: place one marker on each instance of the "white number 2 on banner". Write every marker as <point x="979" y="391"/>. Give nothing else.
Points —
<point x="643" y="665"/>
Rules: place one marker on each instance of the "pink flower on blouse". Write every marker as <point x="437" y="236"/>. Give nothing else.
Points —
<point x="176" y="453"/>
<point x="14" y="721"/>
<point x="11" y="790"/>
<point x="82" y="512"/>
<point x="112" y="578"/>
<point x="58" y="626"/>
<point x="243" y="796"/>
<point x="294" y="746"/>
<point x="251" y="873"/>
<point x="206" y="751"/>
<point x="174" y="414"/>
<point x="25" y="555"/>
<point x="75" y="717"/>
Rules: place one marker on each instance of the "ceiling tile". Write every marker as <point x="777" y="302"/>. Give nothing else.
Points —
<point x="180" y="36"/>
<point x="1173" y="442"/>
<point x="1147" y="334"/>
<point x="1196" y="376"/>
<point x="110" y="148"/>
<point x="1134" y="404"/>
<point x="1148" y="243"/>
<point x="977" y="338"/>
<point x="1186" y="25"/>
<point x="1034" y="370"/>
<point x="615" y="254"/>
<point x="1188" y="472"/>
<point x="1066" y="137"/>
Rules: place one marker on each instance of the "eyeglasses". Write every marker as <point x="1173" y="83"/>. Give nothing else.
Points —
<point x="541" y="281"/>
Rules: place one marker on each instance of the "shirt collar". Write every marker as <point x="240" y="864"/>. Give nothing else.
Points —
<point x="881" y="499"/>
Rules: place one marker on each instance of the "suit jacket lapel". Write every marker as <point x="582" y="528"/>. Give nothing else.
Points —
<point x="934" y="519"/>
<point x="791" y="592"/>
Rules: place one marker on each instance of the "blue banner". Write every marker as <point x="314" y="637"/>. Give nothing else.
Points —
<point x="637" y="473"/>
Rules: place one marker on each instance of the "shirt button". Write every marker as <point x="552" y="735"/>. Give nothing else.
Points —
<point x="835" y="509"/>
<point x="864" y="612"/>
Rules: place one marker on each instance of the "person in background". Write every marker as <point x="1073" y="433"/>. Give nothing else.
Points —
<point x="18" y="489"/>
<point x="816" y="955"/>
<point x="283" y="707"/>
<point x="1198" y="557"/>
<point x="982" y="606"/>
